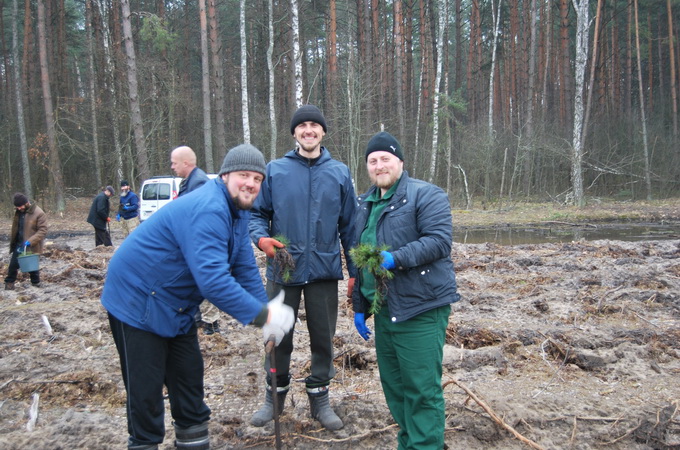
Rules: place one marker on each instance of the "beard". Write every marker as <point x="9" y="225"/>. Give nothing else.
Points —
<point x="241" y="203"/>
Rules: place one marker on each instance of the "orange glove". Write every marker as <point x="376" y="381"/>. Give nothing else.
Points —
<point x="108" y="219"/>
<point x="267" y="245"/>
<point x="350" y="287"/>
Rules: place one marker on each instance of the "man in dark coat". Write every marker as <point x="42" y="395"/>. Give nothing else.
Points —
<point x="99" y="217"/>
<point x="29" y="229"/>
<point x="183" y="163"/>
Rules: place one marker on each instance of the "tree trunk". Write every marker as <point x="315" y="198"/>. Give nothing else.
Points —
<point x="56" y="180"/>
<point x="18" y="92"/>
<point x="93" y="91"/>
<point x="443" y="15"/>
<point x="496" y="14"/>
<point x="398" y="65"/>
<point x="297" y="57"/>
<point x="332" y="55"/>
<point x="671" y="49"/>
<point x="135" y="109"/>
<point x="581" y="59"/>
<point x="218" y="82"/>
<point x="245" y="116"/>
<point x="645" y="147"/>
<point x="205" y="82"/>
<point x="272" y="81"/>
<point x="593" y="65"/>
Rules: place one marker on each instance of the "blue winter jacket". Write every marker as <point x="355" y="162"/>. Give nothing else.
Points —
<point x="196" y="247"/>
<point x="312" y="205"/>
<point x="416" y="225"/>
<point x="129" y="206"/>
<point x="195" y="180"/>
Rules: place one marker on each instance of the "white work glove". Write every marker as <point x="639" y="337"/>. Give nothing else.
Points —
<point x="281" y="319"/>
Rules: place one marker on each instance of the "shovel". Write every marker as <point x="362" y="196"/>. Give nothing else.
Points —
<point x="269" y="350"/>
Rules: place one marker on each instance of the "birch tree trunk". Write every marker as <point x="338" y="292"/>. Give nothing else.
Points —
<point x="93" y="92"/>
<point x="496" y="28"/>
<point x="645" y="146"/>
<point x="272" y="81"/>
<point x="529" y="141"/>
<point x="135" y="109"/>
<point x="18" y="92"/>
<point x="582" y="26"/>
<point x="244" y="75"/>
<point x="297" y="58"/>
<point x="205" y="82"/>
<point x="56" y="179"/>
<point x="443" y="14"/>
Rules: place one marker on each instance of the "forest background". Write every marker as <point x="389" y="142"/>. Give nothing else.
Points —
<point x="552" y="100"/>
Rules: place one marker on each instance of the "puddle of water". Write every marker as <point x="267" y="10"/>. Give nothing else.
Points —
<point x="536" y="235"/>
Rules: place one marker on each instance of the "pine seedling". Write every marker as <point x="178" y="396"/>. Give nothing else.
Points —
<point x="283" y="262"/>
<point x="367" y="256"/>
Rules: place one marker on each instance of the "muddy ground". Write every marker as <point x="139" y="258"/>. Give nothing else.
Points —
<point x="570" y="345"/>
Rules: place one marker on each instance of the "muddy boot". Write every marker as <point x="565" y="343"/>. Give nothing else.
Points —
<point x="9" y="286"/>
<point x="194" y="437"/>
<point x="142" y="446"/>
<point x="266" y="411"/>
<point x="321" y="408"/>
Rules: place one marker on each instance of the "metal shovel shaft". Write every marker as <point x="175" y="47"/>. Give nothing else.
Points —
<point x="269" y="350"/>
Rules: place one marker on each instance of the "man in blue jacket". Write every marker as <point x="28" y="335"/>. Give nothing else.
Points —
<point x="308" y="198"/>
<point x="128" y="210"/>
<point x="413" y="219"/>
<point x="197" y="247"/>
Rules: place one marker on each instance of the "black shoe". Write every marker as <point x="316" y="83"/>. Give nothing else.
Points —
<point x="9" y="286"/>
<point x="37" y="285"/>
<point x="211" y="328"/>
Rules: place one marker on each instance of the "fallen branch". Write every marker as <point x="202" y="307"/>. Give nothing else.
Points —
<point x="494" y="416"/>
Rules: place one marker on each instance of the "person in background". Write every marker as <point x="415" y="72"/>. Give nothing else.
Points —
<point x="413" y="219"/>
<point x="29" y="229"/>
<point x="203" y="242"/>
<point x="99" y="217"/>
<point x="307" y="197"/>
<point x="128" y="210"/>
<point x="183" y="163"/>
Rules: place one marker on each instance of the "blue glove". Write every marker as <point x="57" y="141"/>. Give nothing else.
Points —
<point x="360" y="324"/>
<point x="388" y="260"/>
<point x="118" y="217"/>
<point x="126" y="207"/>
<point x="27" y="244"/>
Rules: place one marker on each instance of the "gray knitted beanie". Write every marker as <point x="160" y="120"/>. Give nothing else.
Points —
<point x="243" y="157"/>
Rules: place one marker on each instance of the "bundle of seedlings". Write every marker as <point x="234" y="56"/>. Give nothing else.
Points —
<point x="283" y="262"/>
<point x="367" y="256"/>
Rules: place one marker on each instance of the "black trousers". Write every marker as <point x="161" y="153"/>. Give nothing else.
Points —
<point x="148" y="362"/>
<point x="102" y="237"/>
<point x="13" y="270"/>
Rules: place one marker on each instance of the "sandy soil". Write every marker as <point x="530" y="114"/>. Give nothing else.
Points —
<point x="553" y="346"/>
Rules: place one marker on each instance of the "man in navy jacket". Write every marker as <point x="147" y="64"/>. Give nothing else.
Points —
<point x="197" y="247"/>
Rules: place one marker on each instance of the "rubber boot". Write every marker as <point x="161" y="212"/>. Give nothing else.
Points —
<point x="194" y="437"/>
<point x="142" y="446"/>
<point x="321" y="408"/>
<point x="9" y="286"/>
<point x="266" y="412"/>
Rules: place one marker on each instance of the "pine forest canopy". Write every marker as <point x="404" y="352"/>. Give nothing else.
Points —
<point x="547" y="99"/>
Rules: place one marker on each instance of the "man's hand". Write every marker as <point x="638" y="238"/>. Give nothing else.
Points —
<point x="269" y="245"/>
<point x="388" y="260"/>
<point x="108" y="219"/>
<point x="281" y="319"/>
<point x="350" y="287"/>
<point x="360" y="324"/>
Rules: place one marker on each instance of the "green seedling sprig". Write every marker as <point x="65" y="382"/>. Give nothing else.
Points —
<point x="283" y="262"/>
<point x="367" y="256"/>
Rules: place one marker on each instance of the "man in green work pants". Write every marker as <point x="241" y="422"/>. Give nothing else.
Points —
<point x="411" y="219"/>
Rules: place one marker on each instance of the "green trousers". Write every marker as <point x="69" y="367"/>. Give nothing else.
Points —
<point x="410" y="361"/>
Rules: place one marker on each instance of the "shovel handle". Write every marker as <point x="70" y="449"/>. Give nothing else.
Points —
<point x="270" y="345"/>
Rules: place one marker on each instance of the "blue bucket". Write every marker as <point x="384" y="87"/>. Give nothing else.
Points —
<point x="29" y="263"/>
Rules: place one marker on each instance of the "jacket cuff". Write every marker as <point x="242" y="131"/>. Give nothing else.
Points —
<point x="261" y="317"/>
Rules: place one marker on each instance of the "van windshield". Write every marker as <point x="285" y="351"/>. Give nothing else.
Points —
<point x="158" y="191"/>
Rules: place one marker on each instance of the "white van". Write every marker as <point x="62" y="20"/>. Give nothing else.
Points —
<point x="157" y="192"/>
